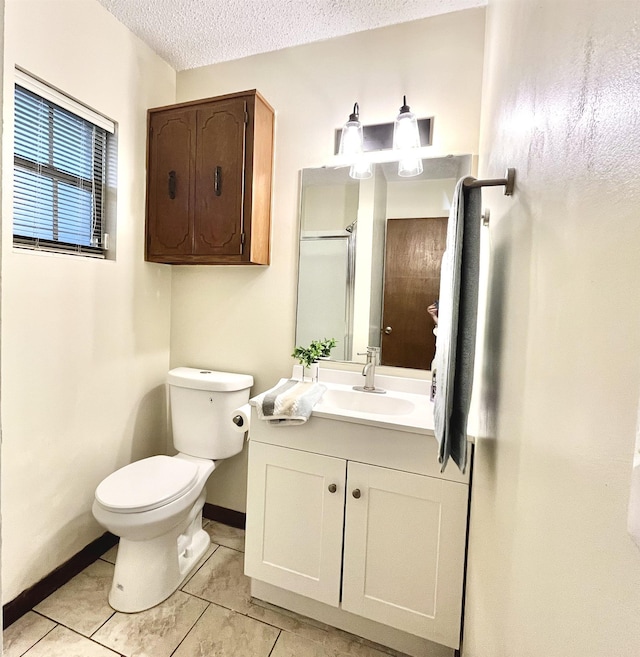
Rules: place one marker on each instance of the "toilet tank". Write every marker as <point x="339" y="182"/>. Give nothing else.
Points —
<point x="202" y="411"/>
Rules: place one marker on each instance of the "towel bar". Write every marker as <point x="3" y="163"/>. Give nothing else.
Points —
<point x="508" y="181"/>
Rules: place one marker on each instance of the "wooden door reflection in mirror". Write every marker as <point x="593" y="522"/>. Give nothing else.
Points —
<point x="413" y="255"/>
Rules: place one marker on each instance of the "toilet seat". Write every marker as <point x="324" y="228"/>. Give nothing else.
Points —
<point x="147" y="484"/>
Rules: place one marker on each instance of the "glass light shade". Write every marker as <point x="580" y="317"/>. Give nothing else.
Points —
<point x="360" y="170"/>
<point x="406" y="136"/>
<point x="352" y="138"/>
<point x="405" y="131"/>
<point x="410" y="167"/>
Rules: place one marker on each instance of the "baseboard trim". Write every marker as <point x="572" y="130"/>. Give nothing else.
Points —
<point x="35" y="594"/>
<point x="225" y="516"/>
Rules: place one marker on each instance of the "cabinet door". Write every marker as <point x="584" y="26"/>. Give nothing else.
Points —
<point x="404" y="551"/>
<point x="294" y="520"/>
<point x="219" y="220"/>
<point x="172" y="140"/>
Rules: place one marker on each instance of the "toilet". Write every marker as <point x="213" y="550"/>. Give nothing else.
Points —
<point x="155" y="505"/>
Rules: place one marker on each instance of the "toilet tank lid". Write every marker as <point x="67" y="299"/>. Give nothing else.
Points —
<point x="202" y="379"/>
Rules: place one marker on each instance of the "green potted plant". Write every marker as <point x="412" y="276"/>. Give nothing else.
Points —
<point x="308" y="356"/>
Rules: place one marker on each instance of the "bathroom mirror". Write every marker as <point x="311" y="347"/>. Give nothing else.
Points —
<point x="370" y="255"/>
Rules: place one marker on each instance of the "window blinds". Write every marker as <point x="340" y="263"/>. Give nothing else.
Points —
<point x="59" y="173"/>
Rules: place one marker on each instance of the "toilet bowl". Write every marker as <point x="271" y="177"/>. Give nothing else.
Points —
<point x="155" y="505"/>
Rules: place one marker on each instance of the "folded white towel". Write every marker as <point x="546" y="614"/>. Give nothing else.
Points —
<point x="289" y="402"/>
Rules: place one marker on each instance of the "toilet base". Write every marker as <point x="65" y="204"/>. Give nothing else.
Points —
<point x="148" y="572"/>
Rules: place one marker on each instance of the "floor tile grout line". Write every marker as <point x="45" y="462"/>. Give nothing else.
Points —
<point x="300" y="620"/>
<point x="84" y="636"/>
<point x="199" y="597"/>
<point x="114" y="612"/>
<point x="236" y="611"/>
<point x="220" y="604"/>
<point x="241" y="613"/>
<point x="197" y="570"/>
<point x="259" y="620"/>
<point x="39" y="613"/>
<point x="40" y="639"/>
<point x="360" y="640"/>
<point x="76" y="631"/>
<point x="273" y="647"/>
<point x="173" y="652"/>
<point x="53" y="620"/>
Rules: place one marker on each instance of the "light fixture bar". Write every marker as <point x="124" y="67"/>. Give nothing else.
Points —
<point x="379" y="137"/>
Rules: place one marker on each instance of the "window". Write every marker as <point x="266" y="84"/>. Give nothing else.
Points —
<point x="60" y="171"/>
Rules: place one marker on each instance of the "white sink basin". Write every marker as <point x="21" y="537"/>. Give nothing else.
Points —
<point x="404" y="407"/>
<point x="366" y="402"/>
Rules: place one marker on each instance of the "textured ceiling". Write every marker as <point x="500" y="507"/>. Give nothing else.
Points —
<point x="191" y="33"/>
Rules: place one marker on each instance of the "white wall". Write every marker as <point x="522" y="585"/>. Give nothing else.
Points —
<point x="379" y="225"/>
<point x="243" y="319"/>
<point x="420" y="198"/>
<point x="329" y="207"/>
<point x="85" y="343"/>
<point x="552" y="570"/>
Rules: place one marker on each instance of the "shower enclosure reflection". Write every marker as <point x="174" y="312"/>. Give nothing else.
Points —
<point x="370" y="253"/>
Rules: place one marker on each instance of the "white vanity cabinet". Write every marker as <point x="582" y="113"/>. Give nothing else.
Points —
<point x="360" y="519"/>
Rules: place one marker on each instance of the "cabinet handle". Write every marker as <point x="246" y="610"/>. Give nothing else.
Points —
<point x="356" y="493"/>
<point x="217" y="181"/>
<point x="172" y="184"/>
<point x="387" y="330"/>
<point x="332" y="488"/>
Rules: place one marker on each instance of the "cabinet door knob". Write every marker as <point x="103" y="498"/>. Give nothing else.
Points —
<point x="217" y="181"/>
<point x="387" y="330"/>
<point x="356" y="493"/>
<point x="172" y="184"/>
<point x="332" y="488"/>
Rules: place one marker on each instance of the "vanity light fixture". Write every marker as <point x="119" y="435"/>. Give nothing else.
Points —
<point x="351" y="145"/>
<point x="405" y="138"/>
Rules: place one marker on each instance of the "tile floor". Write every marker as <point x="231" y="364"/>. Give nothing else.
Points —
<point x="211" y="616"/>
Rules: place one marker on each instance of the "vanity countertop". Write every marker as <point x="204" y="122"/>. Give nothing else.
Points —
<point x="405" y="405"/>
<point x="402" y="440"/>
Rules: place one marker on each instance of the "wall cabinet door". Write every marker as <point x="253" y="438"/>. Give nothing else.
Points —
<point x="209" y="166"/>
<point x="219" y="188"/>
<point x="404" y="551"/>
<point x="170" y="190"/>
<point x="295" y="513"/>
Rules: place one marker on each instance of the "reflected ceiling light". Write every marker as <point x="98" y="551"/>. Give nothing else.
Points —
<point x="351" y="145"/>
<point x="361" y="170"/>
<point x="409" y="166"/>
<point x="405" y="138"/>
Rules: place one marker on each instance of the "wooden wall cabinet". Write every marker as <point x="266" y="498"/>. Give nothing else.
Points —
<point x="209" y="169"/>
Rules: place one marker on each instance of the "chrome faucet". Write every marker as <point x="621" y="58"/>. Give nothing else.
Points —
<point x="369" y="371"/>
